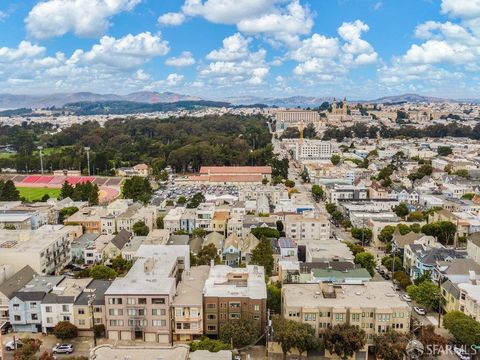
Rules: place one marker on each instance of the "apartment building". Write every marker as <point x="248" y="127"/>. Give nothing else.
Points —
<point x="172" y="221"/>
<point x="138" y="305"/>
<point x="234" y="293"/>
<point x="347" y="192"/>
<point x="307" y="226"/>
<point x="293" y="117"/>
<point x="47" y="249"/>
<point x="11" y="285"/>
<point x="91" y="299"/>
<point x="312" y="150"/>
<point x="273" y="193"/>
<point x="469" y="301"/>
<point x="57" y="305"/>
<point x="373" y="306"/>
<point x="187" y="307"/>
<point x="205" y="213"/>
<point x="25" y="312"/>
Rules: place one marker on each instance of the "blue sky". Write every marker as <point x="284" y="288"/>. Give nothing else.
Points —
<point x="361" y="49"/>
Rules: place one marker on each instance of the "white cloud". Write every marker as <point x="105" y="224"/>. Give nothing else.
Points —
<point x="235" y="64"/>
<point x="3" y="16"/>
<point x="436" y="51"/>
<point x="461" y="8"/>
<point x="24" y="50"/>
<point x="171" y="19"/>
<point x="282" y="24"/>
<point x="142" y="75"/>
<point x="126" y="52"/>
<point x="235" y="47"/>
<point x="228" y="11"/>
<point x="83" y="17"/>
<point x="174" y="79"/>
<point x="317" y="46"/>
<point x="185" y="59"/>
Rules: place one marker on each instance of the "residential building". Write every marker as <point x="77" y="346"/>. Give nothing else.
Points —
<point x="205" y="213"/>
<point x="57" y="305"/>
<point x="374" y="307"/>
<point x="187" y="307"/>
<point x="11" y="285"/>
<point x="473" y="247"/>
<point x="347" y="192"/>
<point x="92" y="299"/>
<point x="46" y="250"/>
<point x="138" y="305"/>
<point x="234" y="293"/>
<point x="307" y="226"/>
<point x="24" y="307"/>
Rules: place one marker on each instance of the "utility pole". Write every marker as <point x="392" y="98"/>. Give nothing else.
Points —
<point x="91" y="299"/>
<point x="40" y="148"/>
<point x="87" y="149"/>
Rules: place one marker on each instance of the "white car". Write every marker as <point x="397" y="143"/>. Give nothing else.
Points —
<point x="407" y="298"/>
<point x="10" y="346"/>
<point x="63" y="349"/>
<point x="419" y="310"/>
<point x="461" y="354"/>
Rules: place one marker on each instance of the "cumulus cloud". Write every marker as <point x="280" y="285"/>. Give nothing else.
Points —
<point x="86" y="18"/>
<point x="174" y="79"/>
<point x="328" y="58"/>
<point x="126" y="52"/>
<point x="234" y="63"/>
<point x="461" y="8"/>
<point x="185" y="59"/>
<point x="24" y="50"/>
<point x="235" y="47"/>
<point x="171" y="19"/>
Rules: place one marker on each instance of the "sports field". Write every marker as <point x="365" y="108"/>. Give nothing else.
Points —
<point x="36" y="193"/>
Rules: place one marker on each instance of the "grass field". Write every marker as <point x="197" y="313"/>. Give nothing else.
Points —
<point x="36" y="193"/>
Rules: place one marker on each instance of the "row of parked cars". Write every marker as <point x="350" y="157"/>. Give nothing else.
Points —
<point x="57" y="349"/>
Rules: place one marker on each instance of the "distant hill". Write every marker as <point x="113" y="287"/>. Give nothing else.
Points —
<point x="11" y="101"/>
<point x="130" y="107"/>
<point x="412" y="98"/>
<point x="293" y="101"/>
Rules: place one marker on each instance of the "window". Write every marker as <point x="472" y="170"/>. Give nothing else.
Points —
<point x="193" y="312"/>
<point x="132" y="312"/>
<point x="48" y="309"/>
<point x="116" y="322"/>
<point x="141" y="312"/>
<point x="66" y="318"/>
<point x="34" y="317"/>
<point x="81" y="322"/>
<point x="33" y="305"/>
<point x="115" y="301"/>
<point x="235" y="305"/>
<point x="211" y="317"/>
<point x="81" y="311"/>
<point x="355" y="317"/>
<point x="115" y="312"/>
<point x="158" y="301"/>
<point x="16" y="306"/>
<point x="339" y="317"/>
<point x="179" y="326"/>
<point x="160" y="323"/>
<point x="131" y="301"/>
<point x="17" y="318"/>
<point x="211" y="306"/>
<point x="234" y="315"/>
<point x="49" y="320"/>
<point x="157" y="312"/>
<point x="179" y="312"/>
<point x="256" y="307"/>
<point x="97" y="309"/>
<point x="211" y="328"/>
<point x="310" y="317"/>
<point x="142" y="301"/>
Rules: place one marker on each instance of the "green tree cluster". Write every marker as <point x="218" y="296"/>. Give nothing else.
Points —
<point x="462" y="327"/>
<point x="262" y="255"/>
<point x="390" y="345"/>
<point x="206" y="255"/>
<point x="86" y="191"/>
<point x="8" y="191"/>
<point x="444" y="231"/>
<point x="66" y="212"/>
<point x="363" y="234"/>
<point x="65" y="330"/>
<point x="102" y="272"/>
<point x="240" y="332"/>
<point x="140" y="228"/>
<point x="196" y="200"/>
<point x="426" y="294"/>
<point x="267" y="232"/>
<point x="318" y="193"/>
<point x="208" y="344"/>
<point x="294" y="335"/>
<point x="367" y="261"/>
<point x="344" y="340"/>
<point x="137" y="188"/>
<point x="335" y="159"/>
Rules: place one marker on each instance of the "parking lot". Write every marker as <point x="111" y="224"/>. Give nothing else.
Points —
<point x="174" y="190"/>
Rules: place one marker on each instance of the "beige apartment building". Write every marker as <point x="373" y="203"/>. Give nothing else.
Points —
<point x="234" y="293"/>
<point x="373" y="306"/>
<point x="91" y="302"/>
<point x="188" y="304"/>
<point x="307" y="226"/>
<point x="138" y="305"/>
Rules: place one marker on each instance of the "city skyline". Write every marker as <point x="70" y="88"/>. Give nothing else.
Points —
<point x="221" y="48"/>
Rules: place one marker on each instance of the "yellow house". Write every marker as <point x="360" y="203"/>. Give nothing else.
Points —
<point x="219" y="221"/>
<point x="451" y="296"/>
<point x="114" y="247"/>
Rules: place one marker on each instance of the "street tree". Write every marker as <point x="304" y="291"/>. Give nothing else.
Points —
<point x="367" y="261"/>
<point x="240" y="333"/>
<point x="262" y="255"/>
<point x="317" y="192"/>
<point x="462" y="327"/>
<point x="65" y="330"/>
<point x="344" y="340"/>
<point x="140" y="228"/>
<point x="426" y="294"/>
<point x="401" y="210"/>
<point x="207" y="254"/>
<point x="390" y="345"/>
<point x="208" y="344"/>
<point x="102" y="272"/>
<point x="335" y="159"/>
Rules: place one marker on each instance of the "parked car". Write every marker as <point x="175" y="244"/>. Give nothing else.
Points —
<point x="10" y="346"/>
<point x="461" y="354"/>
<point x="407" y="298"/>
<point x="63" y="349"/>
<point x="6" y="327"/>
<point x="419" y="310"/>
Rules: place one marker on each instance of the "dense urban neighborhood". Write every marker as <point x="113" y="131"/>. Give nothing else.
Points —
<point x="344" y="231"/>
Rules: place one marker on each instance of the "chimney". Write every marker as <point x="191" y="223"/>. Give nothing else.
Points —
<point x="473" y="277"/>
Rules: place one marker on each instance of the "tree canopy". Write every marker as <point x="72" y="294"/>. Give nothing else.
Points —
<point x="137" y="188"/>
<point x="240" y="333"/>
<point x="262" y="255"/>
<point x="462" y="327"/>
<point x="390" y="345"/>
<point x="344" y="340"/>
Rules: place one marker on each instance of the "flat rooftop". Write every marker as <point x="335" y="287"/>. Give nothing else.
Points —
<point x="190" y="289"/>
<point x="379" y="294"/>
<point x="152" y="271"/>
<point x="31" y="240"/>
